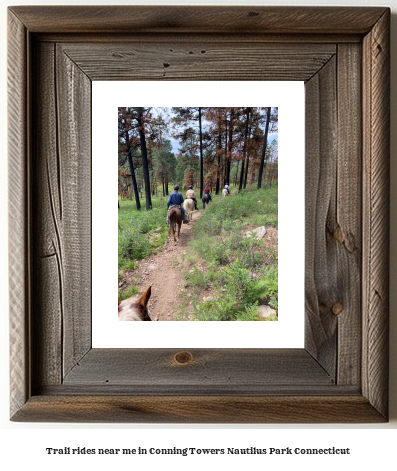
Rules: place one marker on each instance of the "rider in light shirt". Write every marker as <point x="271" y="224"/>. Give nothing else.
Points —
<point x="191" y="194"/>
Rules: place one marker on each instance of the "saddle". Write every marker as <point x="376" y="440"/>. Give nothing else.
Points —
<point x="174" y="206"/>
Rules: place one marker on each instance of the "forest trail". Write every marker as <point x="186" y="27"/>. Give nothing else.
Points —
<point x="163" y="271"/>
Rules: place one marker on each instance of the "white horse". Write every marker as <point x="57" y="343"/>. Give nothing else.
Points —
<point x="225" y="192"/>
<point x="189" y="205"/>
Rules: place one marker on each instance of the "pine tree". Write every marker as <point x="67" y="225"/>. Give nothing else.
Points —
<point x="188" y="121"/>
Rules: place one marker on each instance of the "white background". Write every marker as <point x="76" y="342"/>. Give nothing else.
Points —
<point x="288" y="331"/>
<point x="23" y="445"/>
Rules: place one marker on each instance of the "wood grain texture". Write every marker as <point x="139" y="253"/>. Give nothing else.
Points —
<point x="347" y="226"/>
<point x="225" y="59"/>
<point x="342" y="374"/>
<point x="62" y="205"/>
<point x="246" y="369"/>
<point x="18" y="181"/>
<point x="321" y="262"/>
<point x="48" y="301"/>
<point x="198" y="19"/>
<point x="74" y="149"/>
<point x="242" y="38"/>
<point x="376" y="92"/>
<point x="199" y="409"/>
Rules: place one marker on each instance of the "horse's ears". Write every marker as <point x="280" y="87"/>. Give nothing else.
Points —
<point x="143" y="300"/>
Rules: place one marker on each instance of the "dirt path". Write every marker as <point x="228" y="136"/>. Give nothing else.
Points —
<point x="163" y="272"/>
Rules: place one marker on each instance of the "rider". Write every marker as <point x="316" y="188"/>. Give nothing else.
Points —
<point x="207" y="191"/>
<point x="227" y="188"/>
<point x="191" y="194"/>
<point x="177" y="198"/>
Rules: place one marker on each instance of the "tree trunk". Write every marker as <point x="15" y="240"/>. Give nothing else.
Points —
<point x="240" y="186"/>
<point x="264" y="148"/>
<point x="229" y="147"/>
<point x="201" y="157"/>
<point x="145" y="165"/>
<point x="152" y="179"/>
<point x="244" y="151"/>
<point x="235" y="178"/>
<point x="218" y="168"/>
<point x="134" y="184"/>
<point x="248" y="161"/>
<point x="224" y="166"/>
<point x="246" y="172"/>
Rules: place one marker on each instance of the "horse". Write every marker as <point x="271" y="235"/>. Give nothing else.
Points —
<point x="134" y="308"/>
<point x="225" y="192"/>
<point x="175" y="218"/>
<point x="189" y="205"/>
<point x="205" y="199"/>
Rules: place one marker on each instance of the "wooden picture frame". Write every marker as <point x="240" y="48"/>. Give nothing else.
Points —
<point x="342" y="54"/>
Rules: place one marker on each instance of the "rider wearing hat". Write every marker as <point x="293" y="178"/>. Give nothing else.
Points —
<point x="192" y="195"/>
<point x="177" y="198"/>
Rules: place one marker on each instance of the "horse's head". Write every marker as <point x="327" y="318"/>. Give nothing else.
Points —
<point x="134" y="308"/>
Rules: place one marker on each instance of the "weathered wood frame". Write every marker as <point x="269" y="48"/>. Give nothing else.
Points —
<point x="343" y="56"/>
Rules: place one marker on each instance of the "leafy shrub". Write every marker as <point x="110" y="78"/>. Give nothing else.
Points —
<point x="238" y="267"/>
<point x="140" y="232"/>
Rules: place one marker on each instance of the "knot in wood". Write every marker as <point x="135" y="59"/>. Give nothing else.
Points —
<point x="338" y="235"/>
<point x="183" y="358"/>
<point x="337" y="308"/>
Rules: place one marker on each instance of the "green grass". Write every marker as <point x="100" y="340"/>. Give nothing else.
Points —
<point x="131" y="291"/>
<point x="240" y="270"/>
<point x="140" y="232"/>
<point x="258" y="207"/>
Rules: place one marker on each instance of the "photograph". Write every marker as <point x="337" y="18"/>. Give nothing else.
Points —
<point x="198" y="214"/>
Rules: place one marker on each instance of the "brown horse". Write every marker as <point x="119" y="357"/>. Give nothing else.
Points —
<point x="175" y="218"/>
<point x="135" y="309"/>
<point x="206" y="198"/>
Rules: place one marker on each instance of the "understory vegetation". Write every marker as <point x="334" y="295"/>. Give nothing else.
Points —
<point x="141" y="233"/>
<point x="234" y="273"/>
<point x="238" y="271"/>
